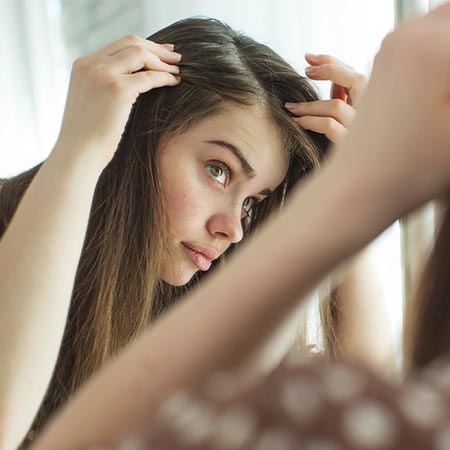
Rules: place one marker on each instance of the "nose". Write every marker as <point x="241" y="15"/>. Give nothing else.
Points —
<point x="226" y="226"/>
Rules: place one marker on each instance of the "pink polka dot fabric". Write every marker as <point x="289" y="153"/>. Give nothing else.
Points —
<point x="306" y="405"/>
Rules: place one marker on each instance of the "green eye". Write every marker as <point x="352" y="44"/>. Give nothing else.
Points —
<point x="216" y="171"/>
<point x="249" y="202"/>
<point x="220" y="172"/>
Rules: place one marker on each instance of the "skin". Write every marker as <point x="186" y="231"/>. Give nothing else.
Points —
<point x="111" y="75"/>
<point x="364" y="332"/>
<point x="179" y="352"/>
<point x="113" y="402"/>
<point x="33" y="314"/>
<point x="202" y="213"/>
<point x="58" y="207"/>
<point x="205" y="204"/>
<point x="330" y="117"/>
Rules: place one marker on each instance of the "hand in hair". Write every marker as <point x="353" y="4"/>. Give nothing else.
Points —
<point x="43" y="242"/>
<point x="330" y="117"/>
<point x="361" y="327"/>
<point x="104" y="86"/>
<point x="394" y="157"/>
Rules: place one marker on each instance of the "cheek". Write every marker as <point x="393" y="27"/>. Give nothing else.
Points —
<point x="184" y="202"/>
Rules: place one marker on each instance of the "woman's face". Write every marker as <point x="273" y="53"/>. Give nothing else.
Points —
<point x="211" y="175"/>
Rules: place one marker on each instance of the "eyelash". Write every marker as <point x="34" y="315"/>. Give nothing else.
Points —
<point x="228" y="172"/>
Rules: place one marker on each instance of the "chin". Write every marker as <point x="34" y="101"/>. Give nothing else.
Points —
<point x="178" y="278"/>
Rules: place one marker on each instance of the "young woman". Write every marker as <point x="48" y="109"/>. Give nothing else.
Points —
<point x="200" y="164"/>
<point x="404" y="131"/>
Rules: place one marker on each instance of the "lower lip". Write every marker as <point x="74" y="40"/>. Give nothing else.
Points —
<point x="199" y="259"/>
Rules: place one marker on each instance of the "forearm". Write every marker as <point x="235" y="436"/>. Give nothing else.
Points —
<point x="39" y="255"/>
<point x="228" y="317"/>
<point x="359" y="326"/>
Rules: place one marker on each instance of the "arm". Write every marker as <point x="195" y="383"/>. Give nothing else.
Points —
<point x="40" y="250"/>
<point x="360" y="325"/>
<point x="38" y="258"/>
<point x="204" y="334"/>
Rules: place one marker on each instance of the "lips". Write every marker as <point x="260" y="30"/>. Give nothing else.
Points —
<point x="202" y="257"/>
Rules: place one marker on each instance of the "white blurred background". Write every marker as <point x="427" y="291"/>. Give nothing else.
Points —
<point x="41" y="38"/>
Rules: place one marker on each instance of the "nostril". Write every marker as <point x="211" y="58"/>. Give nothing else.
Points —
<point x="225" y="226"/>
<point x="222" y="234"/>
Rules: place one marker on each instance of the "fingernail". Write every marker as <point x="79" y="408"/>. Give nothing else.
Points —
<point x="311" y="70"/>
<point x="311" y="55"/>
<point x="290" y="105"/>
<point x="178" y="55"/>
<point x="171" y="47"/>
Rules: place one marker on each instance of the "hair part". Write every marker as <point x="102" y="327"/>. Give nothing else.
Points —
<point x="117" y="294"/>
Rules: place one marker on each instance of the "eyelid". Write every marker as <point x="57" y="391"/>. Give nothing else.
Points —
<point x="229" y="173"/>
<point x="223" y="165"/>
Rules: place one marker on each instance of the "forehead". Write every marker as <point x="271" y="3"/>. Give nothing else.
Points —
<point x="250" y="129"/>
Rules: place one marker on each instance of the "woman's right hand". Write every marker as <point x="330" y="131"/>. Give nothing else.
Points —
<point x="103" y="88"/>
<point x="402" y="128"/>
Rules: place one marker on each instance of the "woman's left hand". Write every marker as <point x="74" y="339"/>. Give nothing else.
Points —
<point x="330" y="117"/>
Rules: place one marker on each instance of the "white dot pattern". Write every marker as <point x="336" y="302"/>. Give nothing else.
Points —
<point x="341" y="384"/>
<point x="422" y="404"/>
<point x="194" y="424"/>
<point x="234" y="427"/>
<point x="321" y="444"/>
<point x="175" y="405"/>
<point x="312" y="405"/>
<point x="301" y="399"/>
<point x="275" y="439"/>
<point x="369" y="425"/>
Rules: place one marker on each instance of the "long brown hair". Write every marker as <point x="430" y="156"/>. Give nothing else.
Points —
<point x="427" y="326"/>
<point x="117" y="293"/>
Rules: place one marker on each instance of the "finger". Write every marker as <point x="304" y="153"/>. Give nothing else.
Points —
<point x="141" y="82"/>
<point x="135" y="58"/>
<point x="328" y="126"/>
<point x="352" y="81"/>
<point x="162" y="53"/>
<point x="169" y="47"/>
<point x="337" y="91"/>
<point x="336" y="109"/>
<point x="160" y="50"/>
<point x="317" y="60"/>
<point x="336" y="73"/>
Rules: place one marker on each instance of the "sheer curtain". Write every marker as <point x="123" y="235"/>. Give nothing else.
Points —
<point x="33" y="80"/>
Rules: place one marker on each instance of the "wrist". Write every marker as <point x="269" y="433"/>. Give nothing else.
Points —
<point x="78" y="159"/>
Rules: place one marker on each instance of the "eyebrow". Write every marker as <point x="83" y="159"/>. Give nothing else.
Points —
<point x="246" y="167"/>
